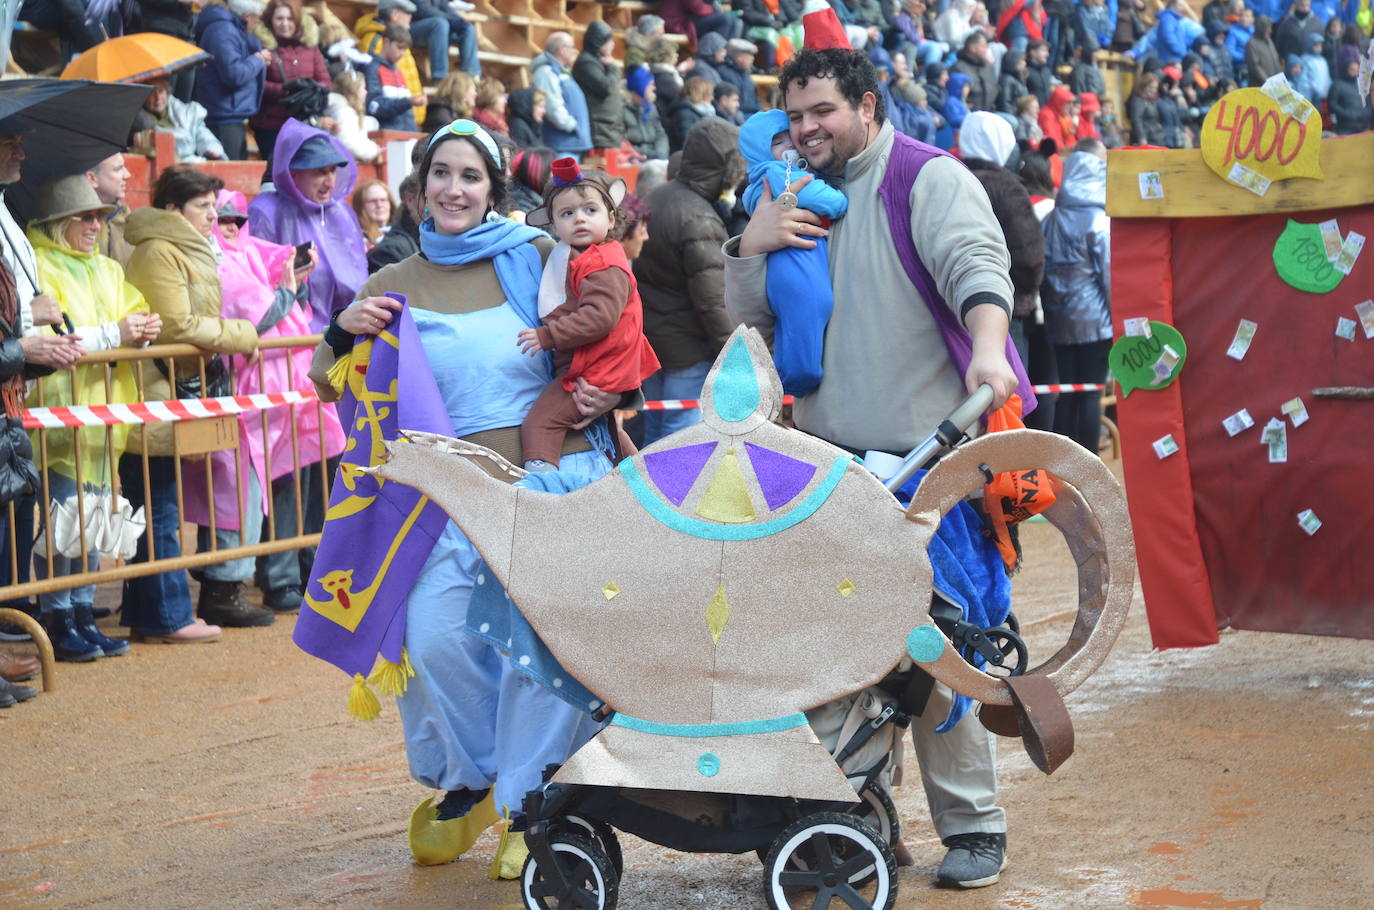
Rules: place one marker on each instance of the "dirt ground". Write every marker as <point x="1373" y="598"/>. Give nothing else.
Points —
<point x="229" y="775"/>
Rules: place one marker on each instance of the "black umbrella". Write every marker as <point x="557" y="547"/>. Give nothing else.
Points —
<point x="69" y="126"/>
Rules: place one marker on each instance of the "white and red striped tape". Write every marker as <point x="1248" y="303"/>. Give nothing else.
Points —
<point x="104" y="415"/>
<point x="687" y="404"/>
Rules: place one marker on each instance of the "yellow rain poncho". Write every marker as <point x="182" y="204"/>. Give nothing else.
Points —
<point x="92" y="291"/>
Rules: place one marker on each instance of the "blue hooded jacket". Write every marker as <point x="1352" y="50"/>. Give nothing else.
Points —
<point x="230" y="85"/>
<point x="954" y="108"/>
<point x="756" y="145"/>
<point x="1236" y="39"/>
<point x="798" y="281"/>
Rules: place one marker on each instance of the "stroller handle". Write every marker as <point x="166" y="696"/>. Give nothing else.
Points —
<point x="949" y="432"/>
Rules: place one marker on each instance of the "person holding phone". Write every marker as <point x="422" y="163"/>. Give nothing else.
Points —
<point x="313" y="175"/>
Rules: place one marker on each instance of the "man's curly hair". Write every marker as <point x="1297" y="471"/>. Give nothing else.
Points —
<point x="854" y="75"/>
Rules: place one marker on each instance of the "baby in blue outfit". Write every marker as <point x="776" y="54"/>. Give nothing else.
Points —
<point x="798" y="286"/>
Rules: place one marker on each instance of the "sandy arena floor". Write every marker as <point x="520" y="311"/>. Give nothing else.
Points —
<point x="228" y="775"/>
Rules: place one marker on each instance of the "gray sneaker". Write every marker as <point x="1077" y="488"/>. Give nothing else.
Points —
<point x="974" y="860"/>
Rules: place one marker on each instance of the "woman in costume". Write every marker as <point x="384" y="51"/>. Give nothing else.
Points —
<point x="474" y="726"/>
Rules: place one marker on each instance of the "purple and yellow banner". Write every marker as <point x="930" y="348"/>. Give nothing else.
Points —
<point x="377" y="534"/>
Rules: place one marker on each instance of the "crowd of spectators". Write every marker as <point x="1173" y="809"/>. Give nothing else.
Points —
<point x="1020" y="83"/>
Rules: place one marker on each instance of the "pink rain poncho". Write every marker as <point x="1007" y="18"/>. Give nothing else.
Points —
<point x="249" y="272"/>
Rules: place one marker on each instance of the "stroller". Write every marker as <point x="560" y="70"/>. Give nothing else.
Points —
<point x="722" y="673"/>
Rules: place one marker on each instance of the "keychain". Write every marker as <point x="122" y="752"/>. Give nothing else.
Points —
<point x="788" y="199"/>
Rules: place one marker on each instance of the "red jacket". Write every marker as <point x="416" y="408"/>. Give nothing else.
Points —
<point x="623" y="358"/>
<point x="291" y="60"/>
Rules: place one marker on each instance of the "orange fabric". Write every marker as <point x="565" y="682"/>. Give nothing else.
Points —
<point x="772" y="6"/>
<point x="785" y="50"/>
<point x="1013" y="496"/>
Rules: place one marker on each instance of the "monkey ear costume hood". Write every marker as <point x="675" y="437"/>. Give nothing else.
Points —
<point x="565" y="173"/>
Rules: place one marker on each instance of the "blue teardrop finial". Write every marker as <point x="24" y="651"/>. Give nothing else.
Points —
<point x="735" y="393"/>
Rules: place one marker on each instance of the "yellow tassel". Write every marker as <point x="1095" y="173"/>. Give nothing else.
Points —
<point x="362" y="704"/>
<point x="338" y="373"/>
<point x="390" y="678"/>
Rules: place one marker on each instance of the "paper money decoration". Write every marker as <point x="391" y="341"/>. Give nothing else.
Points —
<point x="1300" y="259"/>
<point x="1269" y="132"/>
<point x="1148" y="361"/>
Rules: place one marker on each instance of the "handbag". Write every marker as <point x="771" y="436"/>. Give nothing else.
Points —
<point x="216" y="384"/>
<point x="304" y="99"/>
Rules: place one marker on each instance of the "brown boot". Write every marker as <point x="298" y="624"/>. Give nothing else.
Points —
<point x="16" y="668"/>
<point x="222" y="604"/>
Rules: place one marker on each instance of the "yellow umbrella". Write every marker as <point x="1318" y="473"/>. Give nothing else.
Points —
<point x="130" y="58"/>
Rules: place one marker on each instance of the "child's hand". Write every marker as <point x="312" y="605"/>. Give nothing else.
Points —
<point x="528" y="340"/>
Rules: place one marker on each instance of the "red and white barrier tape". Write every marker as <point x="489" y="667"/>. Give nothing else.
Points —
<point x="687" y="404"/>
<point x="1068" y="387"/>
<point x="104" y="415"/>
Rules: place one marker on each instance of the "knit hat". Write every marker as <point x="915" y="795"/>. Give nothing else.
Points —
<point x="68" y="196"/>
<point x="243" y="8"/>
<point x="405" y="6"/>
<point x="566" y="172"/>
<point x="639" y="79"/>
<point x="822" y="28"/>
<point x="710" y="43"/>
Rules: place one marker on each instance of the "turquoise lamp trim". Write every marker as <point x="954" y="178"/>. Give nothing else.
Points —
<point x="736" y="728"/>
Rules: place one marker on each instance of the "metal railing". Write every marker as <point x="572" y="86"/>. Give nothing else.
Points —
<point x="193" y="438"/>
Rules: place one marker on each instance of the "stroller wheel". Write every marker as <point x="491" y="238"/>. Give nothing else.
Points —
<point x="879" y="812"/>
<point x="584" y="878"/>
<point x="599" y="831"/>
<point x="830" y="859"/>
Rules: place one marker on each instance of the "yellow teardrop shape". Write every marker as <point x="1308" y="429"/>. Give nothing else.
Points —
<point x="727" y="496"/>
<point x="717" y="614"/>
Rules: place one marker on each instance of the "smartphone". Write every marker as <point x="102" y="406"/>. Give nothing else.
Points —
<point x="303" y="255"/>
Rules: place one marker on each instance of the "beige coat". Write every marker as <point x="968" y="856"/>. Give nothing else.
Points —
<point x="176" y="270"/>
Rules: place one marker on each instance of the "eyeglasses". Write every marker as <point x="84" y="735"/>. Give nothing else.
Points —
<point x="90" y="217"/>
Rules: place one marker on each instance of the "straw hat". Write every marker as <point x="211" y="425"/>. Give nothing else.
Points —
<point x="68" y="196"/>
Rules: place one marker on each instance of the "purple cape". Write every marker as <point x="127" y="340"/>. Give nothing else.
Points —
<point x="285" y="216"/>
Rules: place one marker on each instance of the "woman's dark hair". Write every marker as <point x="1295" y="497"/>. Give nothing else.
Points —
<point x="1034" y="170"/>
<point x="181" y="183"/>
<point x="854" y="75"/>
<point x="496" y="173"/>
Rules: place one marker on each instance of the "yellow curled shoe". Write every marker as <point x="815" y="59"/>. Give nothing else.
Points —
<point x="510" y="856"/>
<point x="433" y="842"/>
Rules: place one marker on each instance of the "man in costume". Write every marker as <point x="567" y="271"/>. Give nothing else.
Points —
<point x="920" y="320"/>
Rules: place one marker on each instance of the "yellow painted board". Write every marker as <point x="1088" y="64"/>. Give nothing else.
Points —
<point x="1192" y="190"/>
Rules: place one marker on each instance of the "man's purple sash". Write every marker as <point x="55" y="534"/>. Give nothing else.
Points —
<point x="907" y="158"/>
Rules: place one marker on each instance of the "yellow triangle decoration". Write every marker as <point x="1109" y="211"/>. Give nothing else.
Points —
<point x="717" y="614"/>
<point x="727" y="496"/>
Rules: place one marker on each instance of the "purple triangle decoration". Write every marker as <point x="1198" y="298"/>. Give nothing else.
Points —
<point x="780" y="477"/>
<point x="675" y="470"/>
